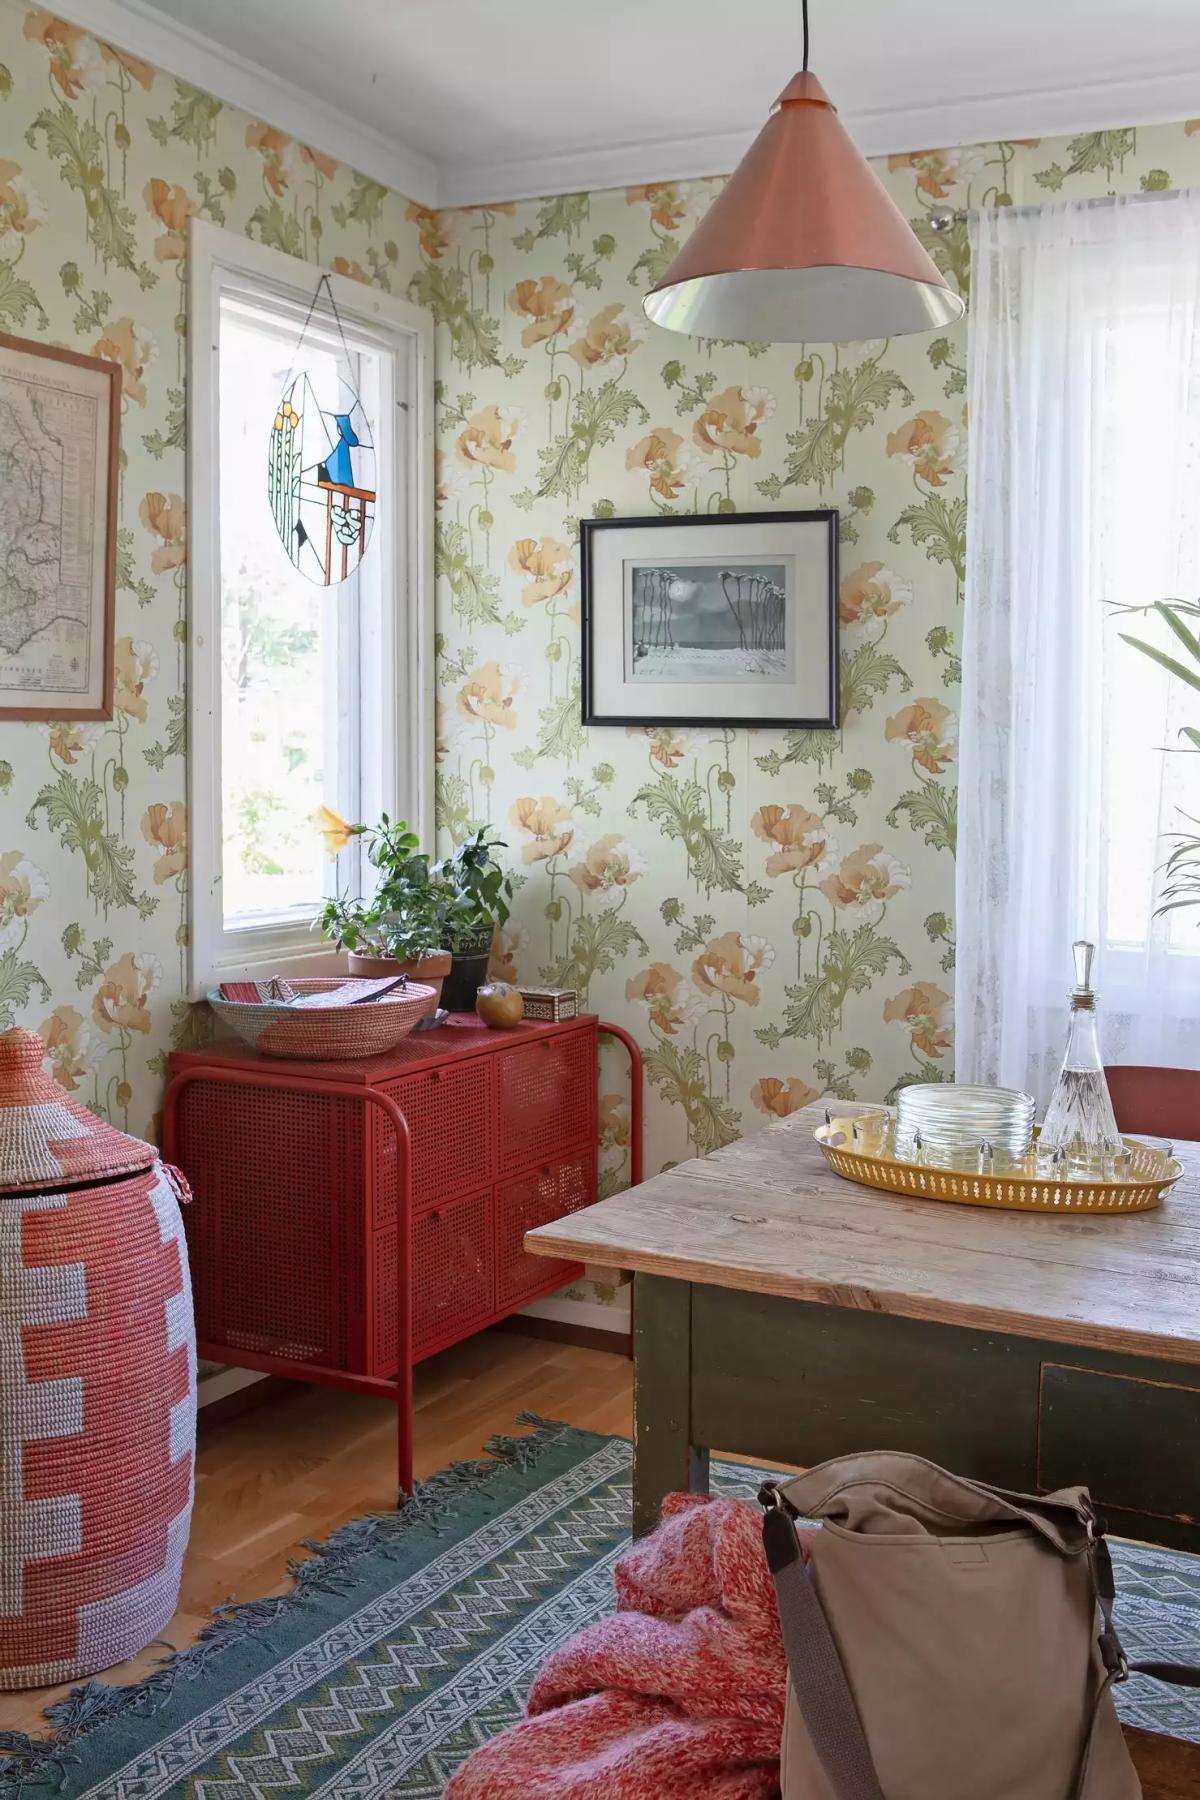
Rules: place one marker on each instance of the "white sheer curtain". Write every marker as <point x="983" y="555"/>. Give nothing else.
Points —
<point x="1084" y="492"/>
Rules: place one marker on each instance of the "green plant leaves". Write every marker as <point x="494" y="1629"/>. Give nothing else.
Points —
<point x="854" y="396"/>
<point x="474" y="590"/>
<point x="18" y="299"/>
<point x="680" y="809"/>
<point x="939" y="526"/>
<point x="850" y="960"/>
<point x="18" y="979"/>
<point x="76" y="144"/>
<point x="597" y="941"/>
<point x="74" y="809"/>
<point x="678" y="1072"/>
<point x="931" y="808"/>
<point x="596" y="413"/>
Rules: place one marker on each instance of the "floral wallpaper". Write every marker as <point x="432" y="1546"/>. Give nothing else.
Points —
<point x="103" y="160"/>
<point x="770" y="913"/>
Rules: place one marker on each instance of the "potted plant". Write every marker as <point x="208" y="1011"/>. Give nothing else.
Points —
<point x="472" y="893"/>
<point x="399" y="929"/>
<point x="1183" y="863"/>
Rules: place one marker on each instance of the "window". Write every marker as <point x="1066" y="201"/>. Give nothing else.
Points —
<point x="1084" y="444"/>
<point x="1148" y="548"/>
<point x="301" y="696"/>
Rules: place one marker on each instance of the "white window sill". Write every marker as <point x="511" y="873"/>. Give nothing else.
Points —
<point x="258" y="960"/>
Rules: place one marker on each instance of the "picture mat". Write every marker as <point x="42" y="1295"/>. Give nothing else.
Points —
<point x="806" y="696"/>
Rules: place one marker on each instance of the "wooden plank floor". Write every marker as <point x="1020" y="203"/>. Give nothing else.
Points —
<point x="310" y="1459"/>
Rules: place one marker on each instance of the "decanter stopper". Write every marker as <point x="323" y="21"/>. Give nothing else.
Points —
<point x="1085" y="955"/>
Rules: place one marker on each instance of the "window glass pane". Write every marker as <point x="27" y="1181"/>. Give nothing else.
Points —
<point x="288" y="651"/>
<point x="1146" y="776"/>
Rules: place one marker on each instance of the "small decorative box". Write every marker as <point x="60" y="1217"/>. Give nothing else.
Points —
<point x="550" y="1004"/>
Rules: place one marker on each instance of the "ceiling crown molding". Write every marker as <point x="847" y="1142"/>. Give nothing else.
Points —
<point x="961" y="119"/>
<point x="137" y="26"/>
<point x="181" y="51"/>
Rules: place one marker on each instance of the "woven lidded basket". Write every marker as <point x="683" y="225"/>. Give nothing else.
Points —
<point x="330" y="1033"/>
<point x="97" y="1383"/>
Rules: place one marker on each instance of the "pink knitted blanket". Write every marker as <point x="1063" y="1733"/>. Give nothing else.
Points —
<point x="679" y="1693"/>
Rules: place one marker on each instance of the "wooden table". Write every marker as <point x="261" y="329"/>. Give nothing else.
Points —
<point x="786" y="1314"/>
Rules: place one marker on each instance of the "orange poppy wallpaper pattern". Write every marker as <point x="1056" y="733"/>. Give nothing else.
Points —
<point x="770" y="913"/>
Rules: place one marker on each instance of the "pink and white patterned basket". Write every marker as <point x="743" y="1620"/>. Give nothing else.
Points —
<point x="327" y="1033"/>
<point x="97" y="1383"/>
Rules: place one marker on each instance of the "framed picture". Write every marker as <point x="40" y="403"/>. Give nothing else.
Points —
<point x="60" y="420"/>
<point x="717" y="619"/>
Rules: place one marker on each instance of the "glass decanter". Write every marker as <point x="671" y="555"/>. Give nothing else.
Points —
<point x="1079" y="1133"/>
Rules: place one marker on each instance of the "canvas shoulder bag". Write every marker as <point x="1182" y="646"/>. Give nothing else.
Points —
<point x="946" y="1640"/>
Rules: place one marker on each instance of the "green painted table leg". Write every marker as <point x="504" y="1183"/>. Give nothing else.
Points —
<point x="664" y="1457"/>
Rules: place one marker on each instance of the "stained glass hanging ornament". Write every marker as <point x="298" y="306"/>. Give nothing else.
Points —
<point x="321" y="469"/>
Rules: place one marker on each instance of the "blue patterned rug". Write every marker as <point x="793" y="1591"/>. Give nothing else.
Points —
<point x="411" y="1637"/>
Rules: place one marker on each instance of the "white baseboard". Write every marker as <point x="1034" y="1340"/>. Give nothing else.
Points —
<point x="586" y="1313"/>
<point x="225" y="1381"/>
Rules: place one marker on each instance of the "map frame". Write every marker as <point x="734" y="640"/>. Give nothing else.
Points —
<point x="96" y="377"/>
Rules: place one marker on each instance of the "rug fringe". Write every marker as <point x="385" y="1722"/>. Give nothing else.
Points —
<point x="328" y="1569"/>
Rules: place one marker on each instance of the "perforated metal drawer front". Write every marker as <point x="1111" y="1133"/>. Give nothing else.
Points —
<point x="536" y="1198"/>
<point x="275" y="1229"/>
<point x="545" y="1098"/>
<point x="385" y="1311"/>
<point x="453" y="1288"/>
<point x="452" y="1126"/>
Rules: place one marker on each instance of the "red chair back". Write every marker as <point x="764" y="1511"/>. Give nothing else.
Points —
<point x="1155" y="1102"/>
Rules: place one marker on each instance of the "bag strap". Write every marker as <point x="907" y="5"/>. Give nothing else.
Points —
<point x="1117" y="1667"/>
<point x="819" y="1681"/>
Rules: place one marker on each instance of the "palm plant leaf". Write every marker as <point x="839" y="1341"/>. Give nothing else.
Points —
<point x="1191" y="676"/>
<point x="1187" y="638"/>
<point x="1182" y="867"/>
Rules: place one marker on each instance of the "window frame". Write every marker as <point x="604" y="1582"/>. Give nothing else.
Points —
<point x="401" y="700"/>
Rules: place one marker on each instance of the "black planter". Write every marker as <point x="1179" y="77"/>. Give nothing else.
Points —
<point x="468" y="971"/>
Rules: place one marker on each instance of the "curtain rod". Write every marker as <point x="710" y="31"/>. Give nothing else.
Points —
<point x="945" y="218"/>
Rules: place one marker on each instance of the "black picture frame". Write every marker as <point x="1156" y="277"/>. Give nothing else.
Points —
<point x="829" y="720"/>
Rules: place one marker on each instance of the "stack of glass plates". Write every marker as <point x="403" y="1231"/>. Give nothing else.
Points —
<point x="946" y="1122"/>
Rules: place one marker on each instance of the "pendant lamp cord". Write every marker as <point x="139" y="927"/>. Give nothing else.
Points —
<point x="804" y="17"/>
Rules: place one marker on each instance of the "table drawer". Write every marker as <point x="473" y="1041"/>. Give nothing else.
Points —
<point x="545" y="1098"/>
<point x="1131" y="1442"/>
<point x="453" y="1283"/>
<point x="451" y="1122"/>
<point x="536" y="1198"/>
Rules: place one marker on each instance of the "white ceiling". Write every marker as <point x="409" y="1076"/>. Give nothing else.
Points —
<point x="459" y="101"/>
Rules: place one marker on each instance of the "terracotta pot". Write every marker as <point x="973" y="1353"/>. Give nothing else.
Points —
<point x="431" y="970"/>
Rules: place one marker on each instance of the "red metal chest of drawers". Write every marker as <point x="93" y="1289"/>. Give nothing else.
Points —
<point x="351" y="1218"/>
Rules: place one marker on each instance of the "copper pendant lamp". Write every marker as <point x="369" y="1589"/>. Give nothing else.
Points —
<point x="803" y="243"/>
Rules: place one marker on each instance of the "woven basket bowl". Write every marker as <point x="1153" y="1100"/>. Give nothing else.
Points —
<point x="327" y="1034"/>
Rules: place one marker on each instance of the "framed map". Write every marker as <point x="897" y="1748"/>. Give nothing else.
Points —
<point x="60" y="417"/>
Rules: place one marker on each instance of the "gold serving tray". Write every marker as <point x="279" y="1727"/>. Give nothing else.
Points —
<point x="1017" y="1188"/>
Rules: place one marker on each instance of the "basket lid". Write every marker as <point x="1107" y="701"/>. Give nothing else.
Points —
<point x="47" y="1140"/>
